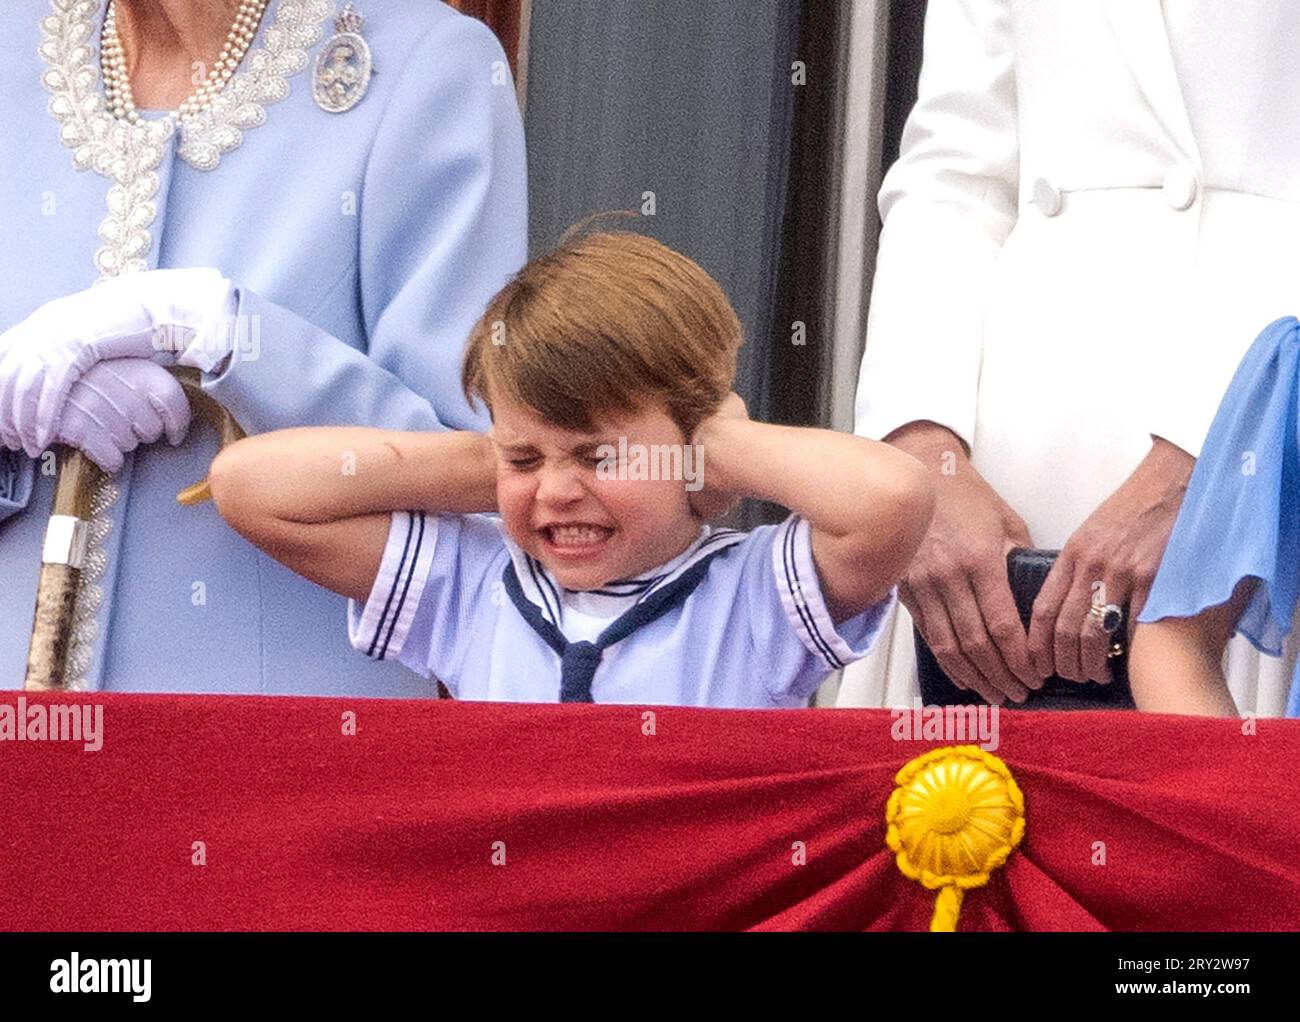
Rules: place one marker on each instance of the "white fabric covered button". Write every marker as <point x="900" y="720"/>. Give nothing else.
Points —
<point x="1180" y="187"/>
<point x="1047" y="197"/>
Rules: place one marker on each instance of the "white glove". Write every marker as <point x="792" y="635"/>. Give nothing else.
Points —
<point x="173" y="316"/>
<point x="119" y="404"/>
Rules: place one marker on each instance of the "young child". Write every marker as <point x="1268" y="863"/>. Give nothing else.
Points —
<point x="607" y="367"/>
<point x="1233" y="560"/>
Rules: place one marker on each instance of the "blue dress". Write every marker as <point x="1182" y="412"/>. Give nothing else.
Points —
<point x="1241" y="514"/>
<point x="363" y="244"/>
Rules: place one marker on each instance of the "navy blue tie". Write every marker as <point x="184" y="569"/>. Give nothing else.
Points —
<point x="579" y="660"/>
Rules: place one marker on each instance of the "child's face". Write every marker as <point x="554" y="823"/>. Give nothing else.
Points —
<point x="588" y="527"/>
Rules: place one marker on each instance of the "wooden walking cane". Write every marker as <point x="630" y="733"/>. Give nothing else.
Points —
<point x="66" y="535"/>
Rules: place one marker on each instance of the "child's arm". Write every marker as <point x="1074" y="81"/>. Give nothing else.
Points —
<point x="868" y="504"/>
<point x="319" y="499"/>
<point x="1175" y="664"/>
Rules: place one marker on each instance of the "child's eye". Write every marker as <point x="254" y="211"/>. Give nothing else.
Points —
<point x="523" y="464"/>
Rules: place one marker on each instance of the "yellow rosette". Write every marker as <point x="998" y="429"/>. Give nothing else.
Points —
<point x="954" y="816"/>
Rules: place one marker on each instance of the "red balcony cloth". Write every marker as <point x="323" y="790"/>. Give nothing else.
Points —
<point x="604" y="827"/>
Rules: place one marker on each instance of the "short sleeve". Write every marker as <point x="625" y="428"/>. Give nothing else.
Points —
<point x="791" y="628"/>
<point x="433" y="584"/>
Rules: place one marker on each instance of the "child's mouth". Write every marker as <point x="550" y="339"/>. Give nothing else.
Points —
<point x="575" y="540"/>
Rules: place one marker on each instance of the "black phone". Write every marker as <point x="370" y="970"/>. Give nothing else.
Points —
<point x="1027" y="570"/>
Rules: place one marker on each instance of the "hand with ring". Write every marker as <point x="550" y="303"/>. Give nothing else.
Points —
<point x="1109" y="618"/>
<point x="1111" y="560"/>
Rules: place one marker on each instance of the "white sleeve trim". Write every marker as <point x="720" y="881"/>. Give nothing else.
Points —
<point x="801" y="595"/>
<point x="379" y="630"/>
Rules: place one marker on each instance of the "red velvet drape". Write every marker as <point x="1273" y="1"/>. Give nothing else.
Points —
<point x="594" y="824"/>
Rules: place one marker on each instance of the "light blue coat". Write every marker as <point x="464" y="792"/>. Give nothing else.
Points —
<point x="364" y="246"/>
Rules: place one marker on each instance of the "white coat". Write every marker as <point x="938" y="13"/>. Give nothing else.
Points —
<point x="1095" y="211"/>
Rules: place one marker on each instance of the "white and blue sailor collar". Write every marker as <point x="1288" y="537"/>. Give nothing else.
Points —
<point x="541" y="588"/>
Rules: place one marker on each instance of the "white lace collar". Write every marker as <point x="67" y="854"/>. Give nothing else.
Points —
<point x="69" y="46"/>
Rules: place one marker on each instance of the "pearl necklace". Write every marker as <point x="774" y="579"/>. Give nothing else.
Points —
<point x="117" y="84"/>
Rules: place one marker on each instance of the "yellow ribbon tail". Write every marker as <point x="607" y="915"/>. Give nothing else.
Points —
<point x="947" y="907"/>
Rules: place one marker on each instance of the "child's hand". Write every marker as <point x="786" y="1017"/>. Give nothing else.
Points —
<point x="713" y="502"/>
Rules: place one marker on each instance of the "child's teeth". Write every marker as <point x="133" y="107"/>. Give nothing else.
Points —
<point x="575" y="535"/>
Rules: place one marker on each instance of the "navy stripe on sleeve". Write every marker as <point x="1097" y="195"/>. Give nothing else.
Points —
<point x="410" y="574"/>
<point x="796" y="591"/>
<point x="392" y="589"/>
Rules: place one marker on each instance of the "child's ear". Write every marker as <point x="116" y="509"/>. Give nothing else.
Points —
<point x="711" y="505"/>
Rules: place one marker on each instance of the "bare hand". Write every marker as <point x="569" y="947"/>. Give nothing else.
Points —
<point x="956" y="587"/>
<point x="1111" y="558"/>
<point x="710" y="503"/>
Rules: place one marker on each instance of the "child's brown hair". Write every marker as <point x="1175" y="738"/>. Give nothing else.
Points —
<point x="601" y="325"/>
